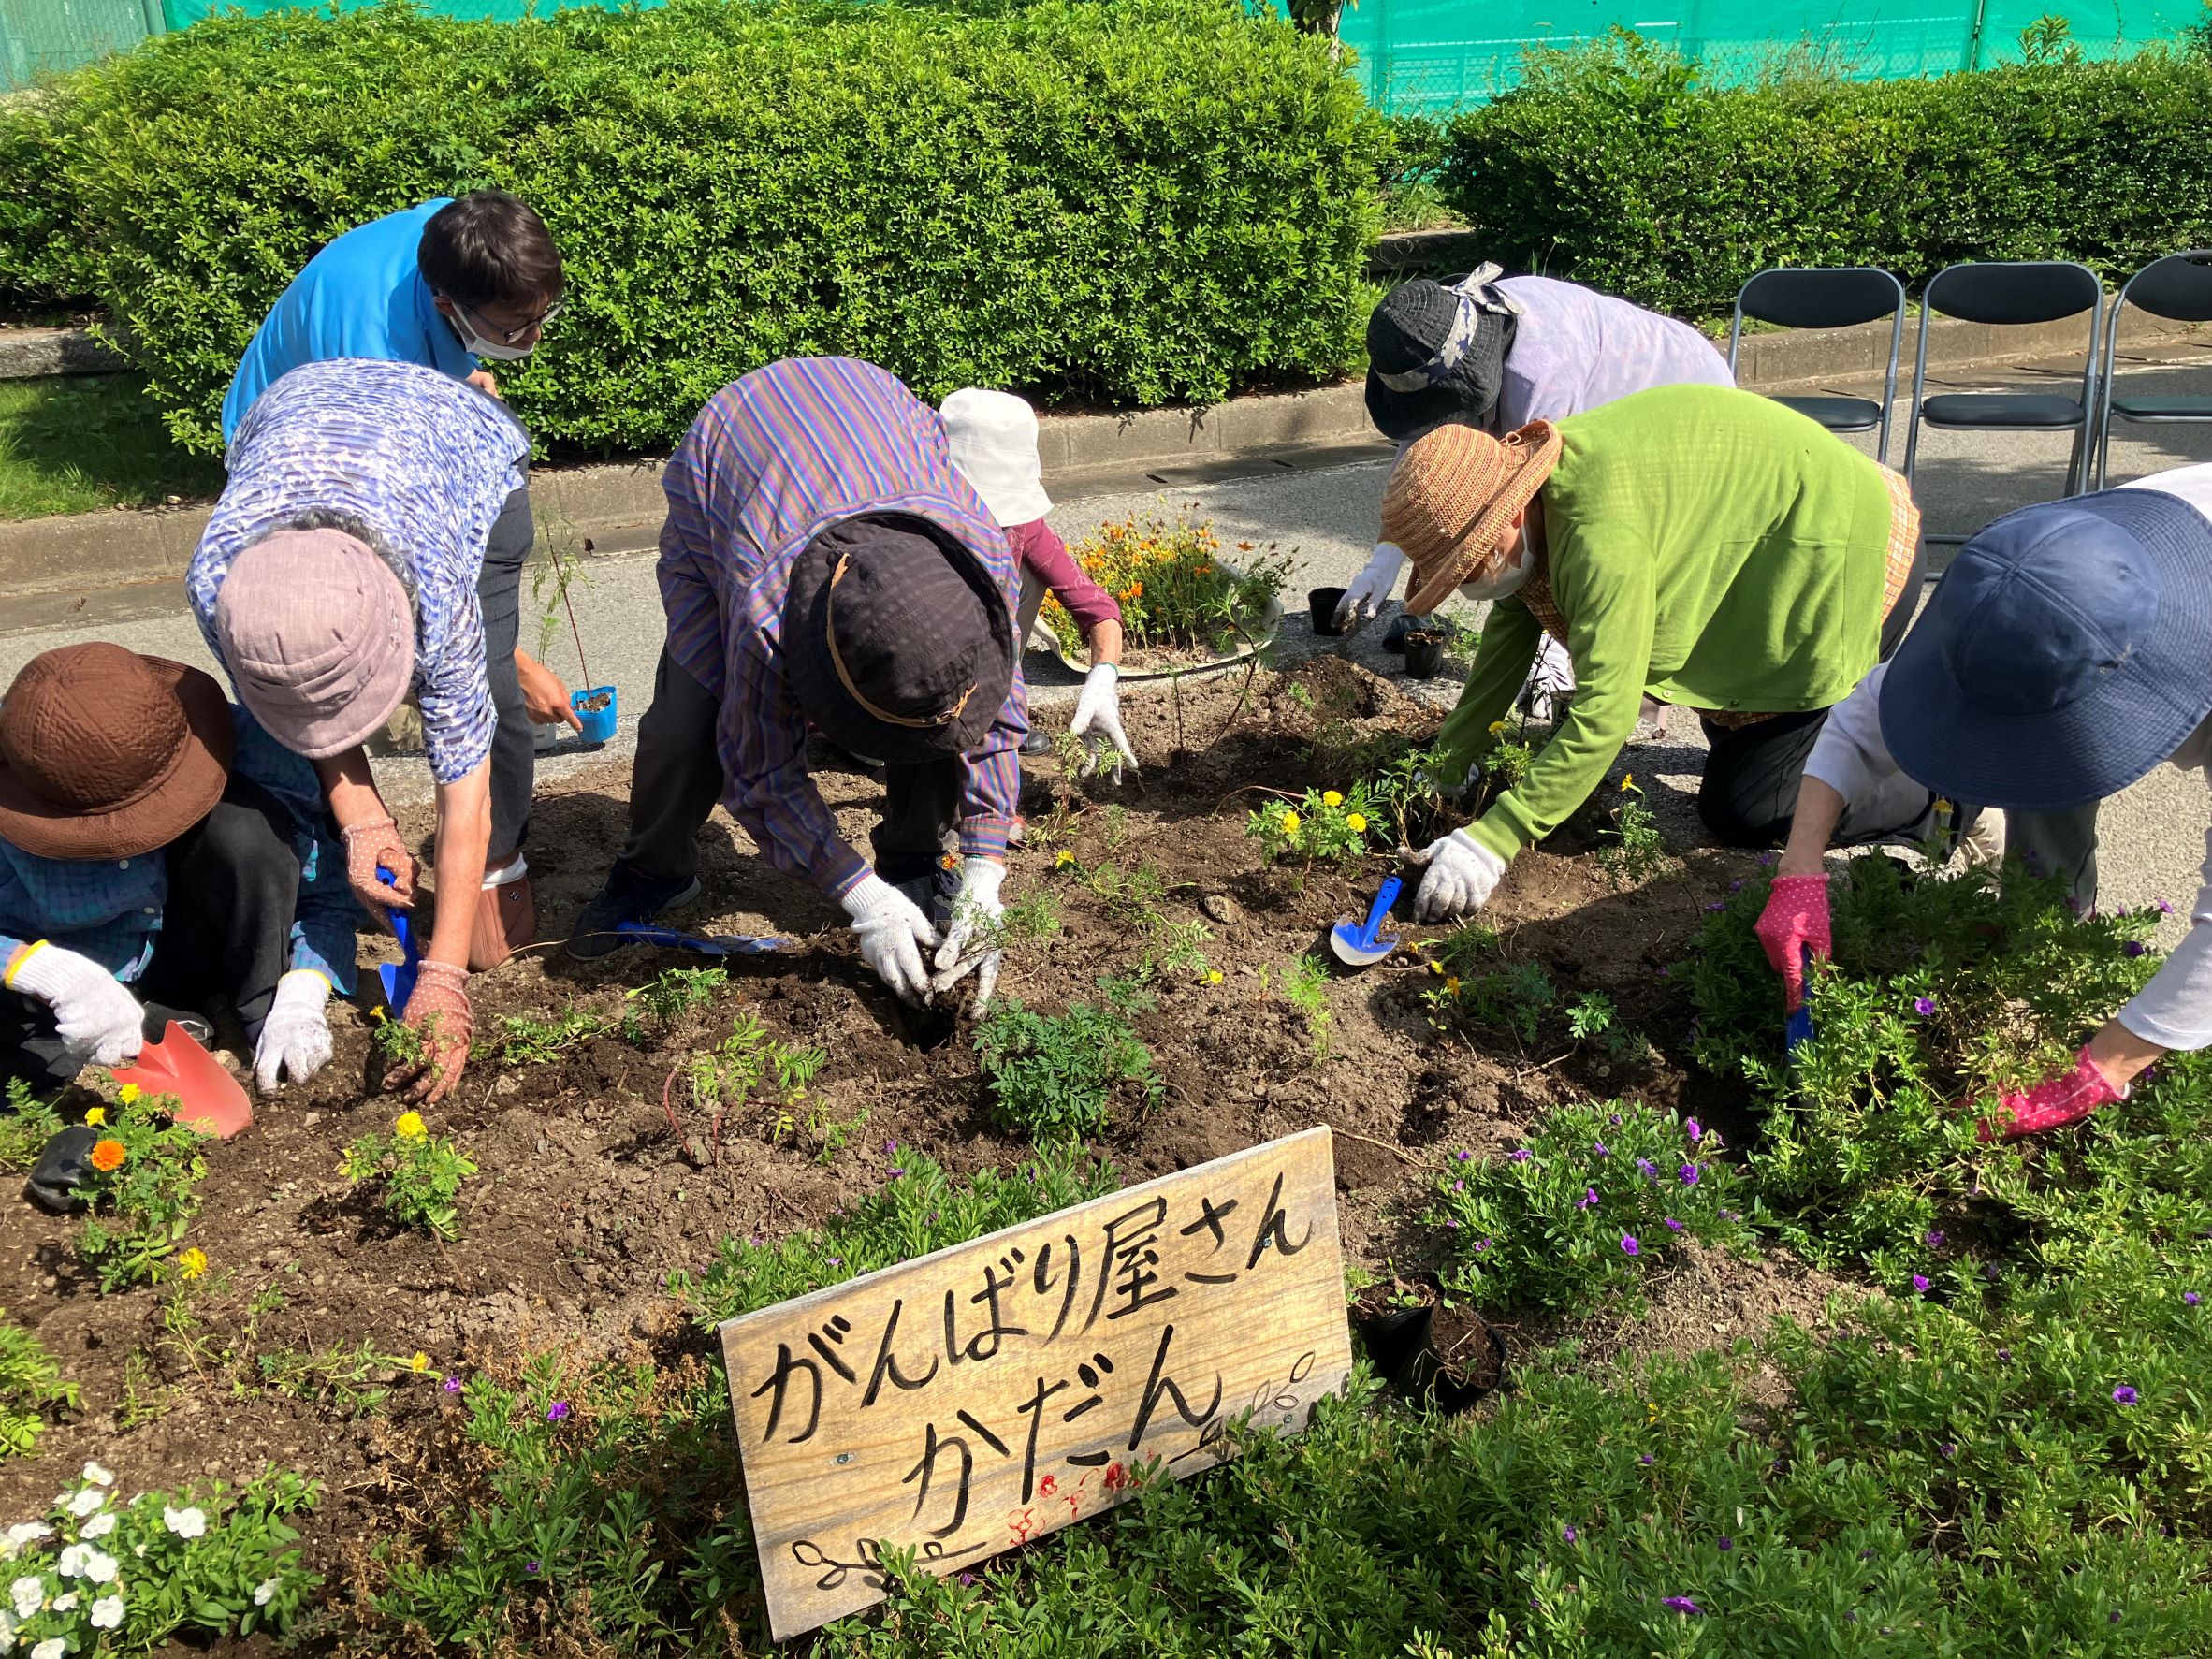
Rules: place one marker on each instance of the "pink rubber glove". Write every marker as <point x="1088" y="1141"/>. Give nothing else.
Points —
<point x="1796" y="920"/>
<point x="2053" y="1103"/>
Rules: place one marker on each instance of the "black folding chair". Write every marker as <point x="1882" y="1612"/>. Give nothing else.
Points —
<point x="1829" y="296"/>
<point x="2011" y="292"/>
<point x="2178" y="288"/>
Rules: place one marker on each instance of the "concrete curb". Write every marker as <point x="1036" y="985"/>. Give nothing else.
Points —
<point x="31" y="354"/>
<point x="617" y="507"/>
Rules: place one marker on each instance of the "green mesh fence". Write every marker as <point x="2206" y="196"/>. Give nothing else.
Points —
<point x="42" y="36"/>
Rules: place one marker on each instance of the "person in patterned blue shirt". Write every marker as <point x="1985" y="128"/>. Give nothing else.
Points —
<point x="157" y="849"/>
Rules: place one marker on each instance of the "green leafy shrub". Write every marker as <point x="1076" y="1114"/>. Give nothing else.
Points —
<point x="1130" y="202"/>
<point x="415" y="1175"/>
<point x="1617" y="166"/>
<point x="1599" y="1196"/>
<point x="100" y="1576"/>
<point x="31" y="1386"/>
<point x="142" y="1192"/>
<point x="1056" y="1077"/>
<point x="1325" y="824"/>
<point x="1940" y="996"/>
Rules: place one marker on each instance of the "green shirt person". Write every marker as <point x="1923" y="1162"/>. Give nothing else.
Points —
<point x="1705" y="545"/>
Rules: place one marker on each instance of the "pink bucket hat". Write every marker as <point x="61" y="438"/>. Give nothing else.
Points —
<point x="319" y="637"/>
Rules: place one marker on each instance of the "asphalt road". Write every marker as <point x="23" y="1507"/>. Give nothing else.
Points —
<point x="1324" y="516"/>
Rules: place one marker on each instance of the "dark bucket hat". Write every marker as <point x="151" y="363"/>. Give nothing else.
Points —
<point x="1434" y="357"/>
<point x="897" y="642"/>
<point x="2067" y="651"/>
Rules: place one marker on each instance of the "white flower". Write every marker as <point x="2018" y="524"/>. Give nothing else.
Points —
<point x="66" y="1604"/>
<point x="98" y="1475"/>
<point x="100" y="1525"/>
<point x="85" y="1502"/>
<point x="27" y="1531"/>
<point x="100" y="1568"/>
<point x="264" y="1591"/>
<point x="53" y="1647"/>
<point x="185" y="1523"/>
<point x="29" y="1595"/>
<point x="106" y="1613"/>
<point x="71" y="1565"/>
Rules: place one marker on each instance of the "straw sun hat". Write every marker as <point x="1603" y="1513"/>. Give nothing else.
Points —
<point x="1453" y="499"/>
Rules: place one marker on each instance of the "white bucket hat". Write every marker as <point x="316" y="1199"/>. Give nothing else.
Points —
<point x="994" y="442"/>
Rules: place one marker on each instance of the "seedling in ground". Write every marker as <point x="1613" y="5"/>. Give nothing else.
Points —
<point x="142" y="1192"/>
<point x="415" y="1176"/>
<point x="1056" y="1077"/>
<point x="1636" y="851"/>
<point x="32" y="1391"/>
<point x="1305" y="988"/>
<point x="1322" y="825"/>
<point x="750" y="1065"/>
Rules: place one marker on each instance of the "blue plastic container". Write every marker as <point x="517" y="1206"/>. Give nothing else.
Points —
<point x="599" y="724"/>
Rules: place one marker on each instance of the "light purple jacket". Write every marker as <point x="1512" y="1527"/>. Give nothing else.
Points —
<point x="1575" y="349"/>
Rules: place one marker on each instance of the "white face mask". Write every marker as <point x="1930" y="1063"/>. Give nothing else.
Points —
<point x="476" y="345"/>
<point x="1506" y="581"/>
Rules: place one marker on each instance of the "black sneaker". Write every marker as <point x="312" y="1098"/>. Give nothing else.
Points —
<point x="1037" y="742"/>
<point x="629" y="896"/>
<point x="65" y="1163"/>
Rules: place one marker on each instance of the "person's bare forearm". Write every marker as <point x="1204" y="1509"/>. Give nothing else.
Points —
<point x="1820" y="809"/>
<point x="2120" y="1054"/>
<point x="1105" y="643"/>
<point x="350" y="787"/>
<point x="464" y="837"/>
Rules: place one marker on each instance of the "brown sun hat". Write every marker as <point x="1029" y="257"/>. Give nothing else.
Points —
<point x="107" y="754"/>
<point x="1452" y="498"/>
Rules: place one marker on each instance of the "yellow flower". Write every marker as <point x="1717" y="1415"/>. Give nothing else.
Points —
<point x="1651" y="1409"/>
<point x="1290" y="823"/>
<point x="1452" y="985"/>
<point x="1064" y="860"/>
<point x="1628" y="780"/>
<point x="1496" y="726"/>
<point x="1331" y="799"/>
<point x="1356" y="823"/>
<point x="1214" y="976"/>
<point x="949" y="861"/>
<point x="96" y="1116"/>
<point x="192" y="1263"/>
<point x="408" y="1126"/>
<point x="1942" y="805"/>
<point x="128" y="1094"/>
<point x="420" y="1362"/>
<point x="1433" y="966"/>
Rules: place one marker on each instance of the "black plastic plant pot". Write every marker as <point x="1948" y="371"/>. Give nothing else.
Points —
<point x="1321" y="604"/>
<point x="1424" y="655"/>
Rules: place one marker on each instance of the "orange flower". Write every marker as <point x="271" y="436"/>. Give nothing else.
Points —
<point x="107" y="1156"/>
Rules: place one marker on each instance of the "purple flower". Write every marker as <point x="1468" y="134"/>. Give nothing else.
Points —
<point x="2165" y="908"/>
<point x="1482" y="1244"/>
<point x="1665" y="972"/>
<point x="452" y="1385"/>
<point x="557" y="1411"/>
<point x="1735" y="886"/>
<point x="1730" y="1216"/>
<point x="533" y="1566"/>
<point x="2005" y="1355"/>
<point x="1568" y="1535"/>
<point x="1599" y="1147"/>
<point x="1920" y="1282"/>
<point x="1766" y="858"/>
<point x="895" y="1173"/>
<point x="1680" y="1604"/>
<point x="1589" y="1199"/>
<point x="1689" y="1174"/>
<point x="1934" y="1238"/>
<point x="890" y="1146"/>
<point x="968" y="1581"/>
<point x="1948" y="1449"/>
<point x="2134" y="947"/>
<point x="1615" y="1118"/>
<point x="1694" y="1131"/>
<point x="2190" y="1299"/>
<point x="1923" y="1006"/>
<point x="1462" y="1157"/>
<point x="1452" y="1222"/>
<point x="1645" y="1459"/>
<point x="1629" y="1246"/>
<point x="1647" y="1169"/>
<point x="837" y="1261"/>
<point x="1520" y="1154"/>
<point x="1459" y="1186"/>
<point x="1672" y="1225"/>
<point x="1718" y="904"/>
<point x="1727" y="1544"/>
<point x="2125" y="1395"/>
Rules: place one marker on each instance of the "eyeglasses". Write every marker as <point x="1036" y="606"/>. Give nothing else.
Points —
<point x="504" y="336"/>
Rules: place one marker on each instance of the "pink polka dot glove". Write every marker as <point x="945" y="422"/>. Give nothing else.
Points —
<point x="1795" y="920"/>
<point x="2053" y="1103"/>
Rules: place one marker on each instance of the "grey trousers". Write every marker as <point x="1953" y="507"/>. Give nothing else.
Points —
<point x="677" y="778"/>
<point x="2061" y="844"/>
<point x="514" y="746"/>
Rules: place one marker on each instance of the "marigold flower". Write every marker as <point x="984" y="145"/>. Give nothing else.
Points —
<point x="421" y="1362"/>
<point x="1214" y="976"/>
<point x="128" y="1094"/>
<point x="408" y="1126"/>
<point x="107" y="1156"/>
<point x="1290" y="822"/>
<point x="949" y="861"/>
<point x="193" y="1262"/>
<point x="98" y="1116"/>
<point x="1496" y="726"/>
<point x="1627" y="780"/>
<point x="1452" y="985"/>
<point x="1356" y="823"/>
<point x="1331" y="799"/>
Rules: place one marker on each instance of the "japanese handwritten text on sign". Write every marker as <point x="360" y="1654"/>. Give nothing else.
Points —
<point x="973" y="1400"/>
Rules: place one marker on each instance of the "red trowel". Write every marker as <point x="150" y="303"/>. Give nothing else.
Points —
<point x="208" y="1098"/>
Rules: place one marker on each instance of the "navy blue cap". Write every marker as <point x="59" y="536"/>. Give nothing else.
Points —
<point x="2067" y="651"/>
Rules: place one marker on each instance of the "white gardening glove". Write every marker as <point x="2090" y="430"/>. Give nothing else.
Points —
<point x="1462" y="874"/>
<point x="972" y="939"/>
<point x="1372" y="588"/>
<point x="295" y="1038"/>
<point x="1097" y="715"/>
<point x="893" y="933"/>
<point x="99" y="1019"/>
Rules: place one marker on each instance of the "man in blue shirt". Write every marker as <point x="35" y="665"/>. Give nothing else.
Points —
<point x="447" y="285"/>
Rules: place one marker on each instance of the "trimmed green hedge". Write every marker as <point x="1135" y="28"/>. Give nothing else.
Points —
<point x="1613" y="166"/>
<point x="1133" y="202"/>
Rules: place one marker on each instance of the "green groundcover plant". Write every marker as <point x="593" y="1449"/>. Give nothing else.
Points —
<point x="1617" y="165"/>
<point x="1133" y="202"/>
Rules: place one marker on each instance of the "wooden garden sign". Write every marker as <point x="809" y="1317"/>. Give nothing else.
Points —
<point x="971" y="1401"/>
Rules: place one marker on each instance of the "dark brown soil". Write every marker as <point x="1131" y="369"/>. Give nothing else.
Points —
<point x="585" y="1202"/>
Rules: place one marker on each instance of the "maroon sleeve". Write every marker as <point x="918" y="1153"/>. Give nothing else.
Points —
<point x="1039" y="546"/>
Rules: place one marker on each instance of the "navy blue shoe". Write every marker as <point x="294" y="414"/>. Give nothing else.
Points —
<point x="629" y="896"/>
